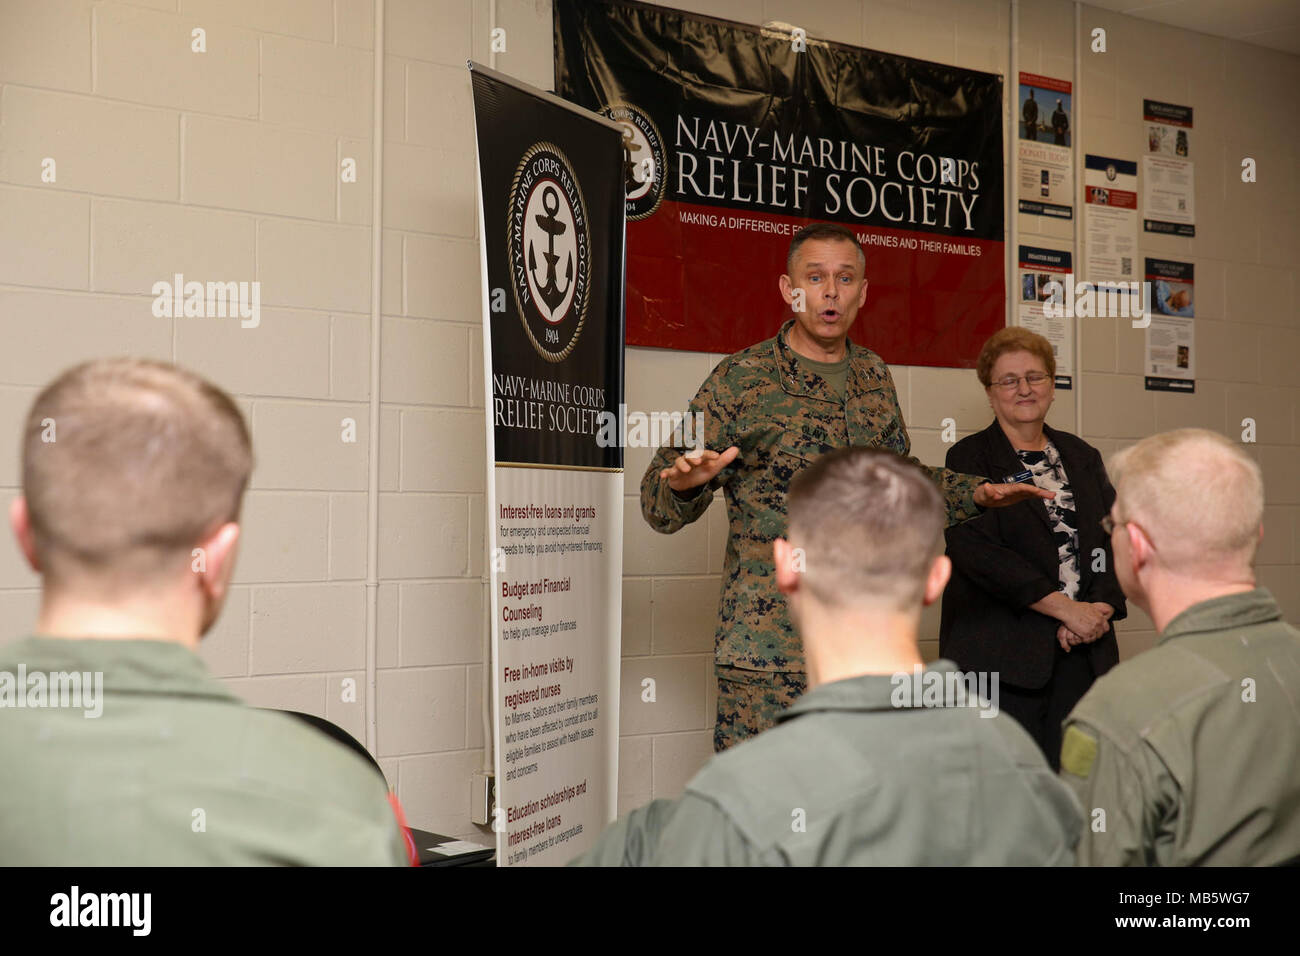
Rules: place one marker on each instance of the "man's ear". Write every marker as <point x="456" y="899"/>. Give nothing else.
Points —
<point x="787" y="573"/>
<point x="1139" y="546"/>
<point x="787" y="289"/>
<point x="862" y="296"/>
<point x="937" y="579"/>
<point x="20" y="520"/>
<point x="213" y="561"/>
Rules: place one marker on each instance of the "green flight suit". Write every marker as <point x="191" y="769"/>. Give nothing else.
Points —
<point x="781" y="415"/>
<point x="851" y="776"/>
<point x="175" y="770"/>
<point x="1192" y="749"/>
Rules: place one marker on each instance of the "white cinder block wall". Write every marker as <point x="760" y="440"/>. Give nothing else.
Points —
<point x="224" y="166"/>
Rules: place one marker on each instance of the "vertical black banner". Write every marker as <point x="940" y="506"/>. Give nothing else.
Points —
<point x="551" y="219"/>
<point x="552" y="194"/>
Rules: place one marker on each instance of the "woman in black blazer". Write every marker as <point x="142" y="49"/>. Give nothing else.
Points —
<point x="1033" y="592"/>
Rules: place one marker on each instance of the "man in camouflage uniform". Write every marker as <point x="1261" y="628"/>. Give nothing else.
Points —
<point x="1189" y="754"/>
<point x="768" y="411"/>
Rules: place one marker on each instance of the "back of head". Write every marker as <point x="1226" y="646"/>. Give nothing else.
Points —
<point x="127" y="465"/>
<point x="1199" y="498"/>
<point x="870" y="525"/>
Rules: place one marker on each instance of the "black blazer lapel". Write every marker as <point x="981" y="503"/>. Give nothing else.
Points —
<point x="1003" y="454"/>
<point x="1088" y="508"/>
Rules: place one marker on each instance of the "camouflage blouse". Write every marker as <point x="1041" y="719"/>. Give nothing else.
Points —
<point x="781" y="416"/>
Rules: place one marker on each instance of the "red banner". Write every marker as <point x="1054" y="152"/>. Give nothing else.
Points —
<point x="736" y="259"/>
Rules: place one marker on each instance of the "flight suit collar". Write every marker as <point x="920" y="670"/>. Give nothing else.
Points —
<point x="798" y="380"/>
<point x="864" y="692"/>
<point x="143" y="666"/>
<point x="1224" y="613"/>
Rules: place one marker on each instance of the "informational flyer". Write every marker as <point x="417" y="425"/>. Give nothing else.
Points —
<point x="1170" y="354"/>
<point x="1170" y="338"/>
<point x="1046" y="180"/>
<point x="1168" y="183"/>
<point x="1039" y="312"/>
<point x="1110" y="227"/>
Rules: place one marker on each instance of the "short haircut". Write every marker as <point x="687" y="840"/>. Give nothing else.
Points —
<point x="870" y="525"/>
<point x="127" y="464"/>
<point x="822" y="230"/>
<point x="1197" y="495"/>
<point x="1013" y="339"/>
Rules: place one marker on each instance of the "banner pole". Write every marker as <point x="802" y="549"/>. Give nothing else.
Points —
<point x="372" y="484"/>
<point x="1012" y="165"/>
<point x="1078" y="211"/>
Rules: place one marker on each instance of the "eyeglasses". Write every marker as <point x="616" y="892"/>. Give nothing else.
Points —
<point x="1109" y="524"/>
<point x="1035" y="379"/>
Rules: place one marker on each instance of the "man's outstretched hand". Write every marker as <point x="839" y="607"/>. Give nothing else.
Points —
<point x="999" y="496"/>
<point x="697" y="468"/>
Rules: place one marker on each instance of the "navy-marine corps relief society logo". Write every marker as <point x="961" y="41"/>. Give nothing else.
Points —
<point x="643" y="160"/>
<point x="550" y="251"/>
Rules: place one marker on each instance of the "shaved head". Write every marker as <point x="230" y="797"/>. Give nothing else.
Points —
<point x="127" y="464"/>
<point x="870" y="524"/>
<point x="1198" y="496"/>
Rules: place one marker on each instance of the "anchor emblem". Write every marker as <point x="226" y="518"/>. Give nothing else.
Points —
<point x="549" y="291"/>
<point x="644" y="160"/>
<point x="630" y="165"/>
<point x="549" y="251"/>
